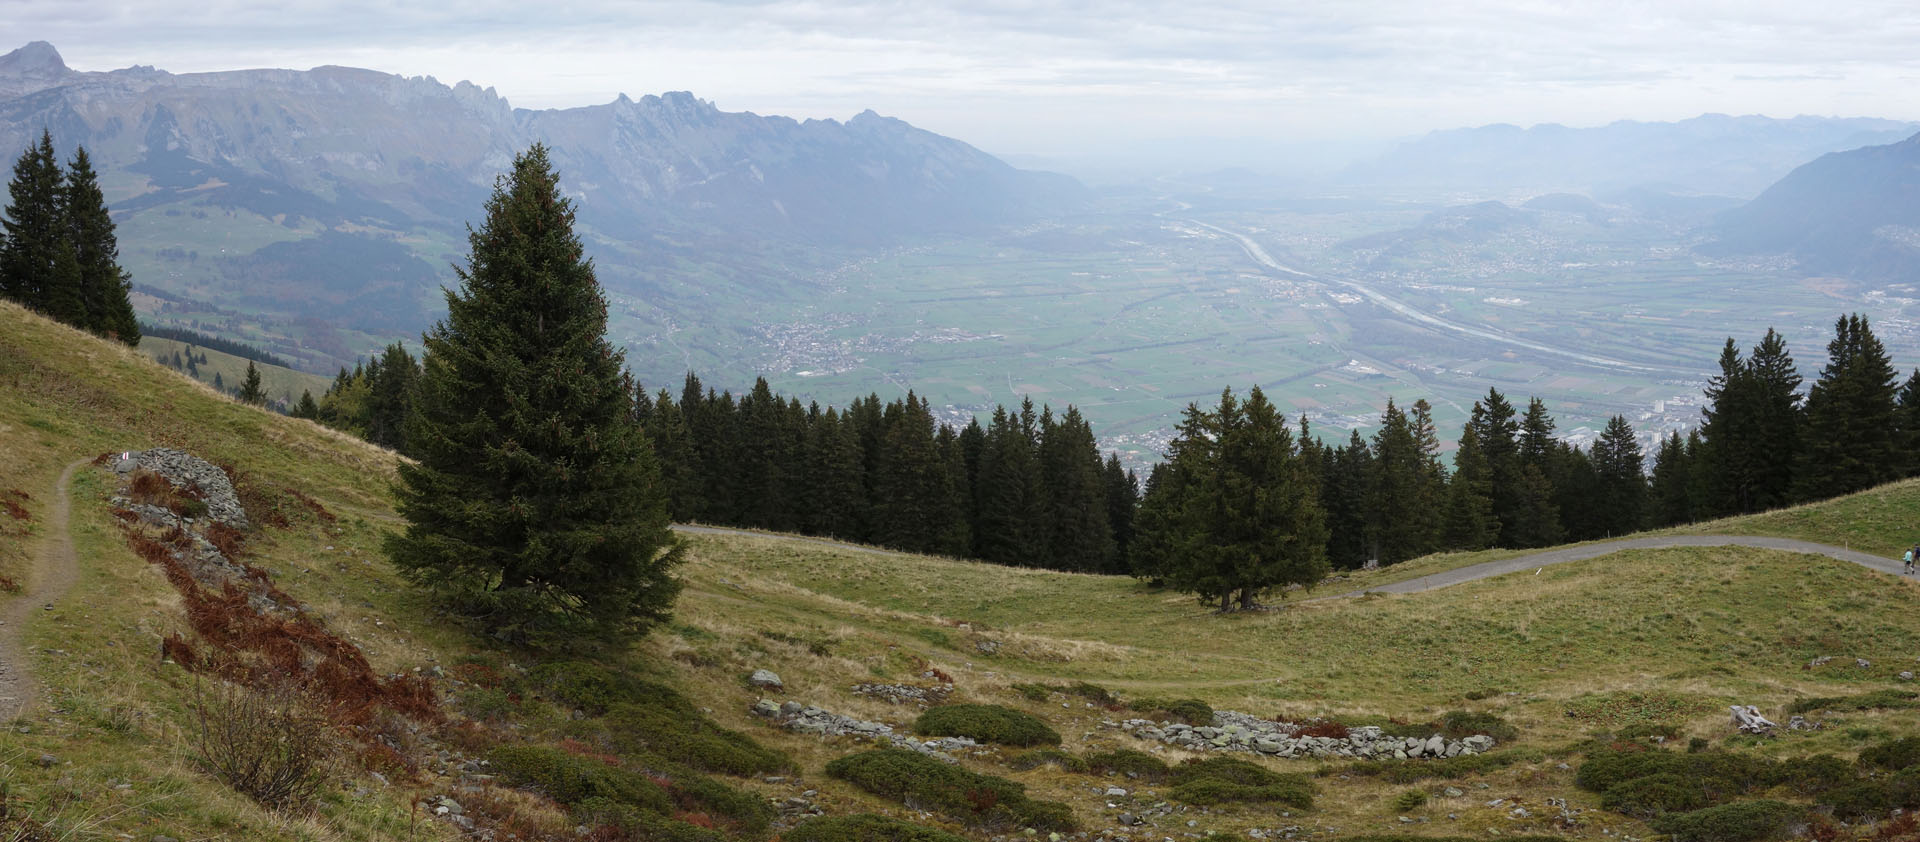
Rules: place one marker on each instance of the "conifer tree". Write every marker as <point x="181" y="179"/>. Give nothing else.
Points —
<point x="1123" y="498"/>
<point x="535" y="505"/>
<point x="1471" y="524"/>
<point x="915" y="499"/>
<point x="103" y="285"/>
<point x="306" y="408"/>
<point x="1346" y="480"/>
<point x="218" y="385"/>
<point x="1621" y="474"/>
<point x="34" y="226"/>
<point x="1907" y="424"/>
<point x="1670" y="497"/>
<point x="837" y="477"/>
<point x="1402" y="514"/>
<point x="250" y="389"/>
<point x="392" y="382"/>
<point x="1729" y="437"/>
<point x="1076" y="532"/>
<point x="1850" y="416"/>
<point x="1007" y="495"/>
<point x="1495" y="430"/>
<point x="1778" y="419"/>
<point x="60" y="296"/>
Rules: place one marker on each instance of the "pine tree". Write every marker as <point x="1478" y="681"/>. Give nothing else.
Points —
<point x="1076" y="533"/>
<point x="1403" y="520"/>
<point x="60" y="293"/>
<point x="250" y="390"/>
<point x="218" y="384"/>
<point x="1671" y="495"/>
<point x="1346" y="479"/>
<point x="1495" y="430"/>
<point x="1851" y="416"/>
<point x="1777" y="422"/>
<point x="1006" y="495"/>
<point x="103" y="285"/>
<point x="1729" y="437"/>
<point x="306" y="408"/>
<point x="1907" y="424"/>
<point x="535" y="504"/>
<point x="1471" y="524"/>
<point x="33" y="226"/>
<point x="1621" y="472"/>
<point x="1123" y="499"/>
<point x="392" y="382"/>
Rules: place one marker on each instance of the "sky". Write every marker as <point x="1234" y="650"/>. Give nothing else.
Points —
<point x="1054" y="80"/>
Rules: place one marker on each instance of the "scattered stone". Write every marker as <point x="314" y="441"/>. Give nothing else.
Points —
<point x="1906" y="675"/>
<point x="1801" y="723"/>
<point x="766" y="678"/>
<point x="1452" y="792"/>
<point x="1235" y="731"/>
<point x="906" y="693"/>
<point x="191" y="473"/>
<point x="807" y="719"/>
<point x="1862" y="663"/>
<point x="987" y="647"/>
<point x="1749" y="720"/>
<point x="1820" y="661"/>
<point x="47" y="761"/>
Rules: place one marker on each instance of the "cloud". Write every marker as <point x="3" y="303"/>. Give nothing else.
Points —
<point x="1050" y="76"/>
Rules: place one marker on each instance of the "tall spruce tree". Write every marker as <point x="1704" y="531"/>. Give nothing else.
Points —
<point x="1123" y="498"/>
<point x="1346" y="479"/>
<point x="1729" y="436"/>
<point x="1851" y="416"/>
<point x="1006" y="495"/>
<point x="393" y="380"/>
<point x="103" y="285"/>
<point x="1778" y="419"/>
<point x="534" y="505"/>
<point x="1403" y="516"/>
<point x="1907" y="424"/>
<point x="34" y="226"/>
<point x="1621" y="473"/>
<point x="1076" y="530"/>
<point x="1670" y="499"/>
<point x="1471" y="524"/>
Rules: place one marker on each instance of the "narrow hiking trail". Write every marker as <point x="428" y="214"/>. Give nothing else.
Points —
<point x="1548" y="558"/>
<point x="56" y="568"/>
<point x="1474" y="572"/>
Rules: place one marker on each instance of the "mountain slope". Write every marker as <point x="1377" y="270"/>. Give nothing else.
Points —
<point x="1659" y="640"/>
<point x="340" y="195"/>
<point x="1853" y="214"/>
<point x="1710" y="154"/>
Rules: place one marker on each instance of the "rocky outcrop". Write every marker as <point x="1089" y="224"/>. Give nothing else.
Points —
<point x="807" y="719"/>
<point x="191" y="474"/>
<point x="1234" y="731"/>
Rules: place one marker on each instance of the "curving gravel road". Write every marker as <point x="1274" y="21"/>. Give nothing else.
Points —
<point x="1581" y="553"/>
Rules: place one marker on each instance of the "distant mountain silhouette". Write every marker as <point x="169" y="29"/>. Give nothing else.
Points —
<point x="1853" y="214"/>
<point x="684" y="200"/>
<point x="1710" y="154"/>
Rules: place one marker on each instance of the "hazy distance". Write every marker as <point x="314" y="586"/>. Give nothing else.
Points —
<point x="1100" y="90"/>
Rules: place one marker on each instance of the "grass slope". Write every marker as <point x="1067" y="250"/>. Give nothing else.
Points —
<point x="1661" y="638"/>
<point x="280" y="383"/>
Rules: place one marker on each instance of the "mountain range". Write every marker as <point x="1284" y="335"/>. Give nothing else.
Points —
<point x="1713" y="154"/>
<point x="342" y="192"/>
<point x="1850" y="214"/>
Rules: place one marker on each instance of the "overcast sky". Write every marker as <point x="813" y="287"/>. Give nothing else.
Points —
<point x="1056" y="78"/>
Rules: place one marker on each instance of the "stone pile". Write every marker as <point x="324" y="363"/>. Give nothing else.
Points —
<point x="901" y="694"/>
<point x="1234" y="731"/>
<point x="807" y="719"/>
<point x="188" y="472"/>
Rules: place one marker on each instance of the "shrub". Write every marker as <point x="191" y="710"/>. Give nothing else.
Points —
<point x="1218" y="780"/>
<point x="1815" y="775"/>
<point x="684" y="735"/>
<point x="1896" y="755"/>
<point x="1047" y="757"/>
<point x="1032" y="692"/>
<point x="1647" y="730"/>
<point x="1133" y="764"/>
<point x="978" y="800"/>
<point x="603" y="812"/>
<point x="1876" y="700"/>
<point x="1654" y="794"/>
<point x="697" y="793"/>
<point x="864" y="827"/>
<point x="1606" y="768"/>
<point x="1863" y="800"/>
<point x="1091" y="692"/>
<point x="1460" y="723"/>
<point x="1744" y="821"/>
<point x="270" y="745"/>
<point x="986" y="723"/>
<point x="1484" y="693"/>
<point x="1190" y="711"/>
<point x="1414" y="771"/>
<point x="1409" y="800"/>
<point x="570" y="779"/>
<point x="595" y="689"/>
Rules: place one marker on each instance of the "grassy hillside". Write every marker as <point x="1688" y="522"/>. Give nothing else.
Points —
<point x="1633" y="643"/>
<point x="281" y="384"/>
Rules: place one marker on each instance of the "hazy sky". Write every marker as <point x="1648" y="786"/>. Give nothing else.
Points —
<point x="1054" y="78"/>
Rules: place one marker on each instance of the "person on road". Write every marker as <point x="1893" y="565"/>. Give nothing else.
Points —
<point x="1907" y="560"/>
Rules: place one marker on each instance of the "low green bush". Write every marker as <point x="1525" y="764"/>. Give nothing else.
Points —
<point x="747" y="812"/>
<point x="1741" y="821"/>
<point x="595" y="689"/>
<point x="1647" y="730"/>
<point x="1653" y="795"/>
<point x="1047" y="757"/>
<point x="1032" y="692"/>
<point x="570" y="779"/>
<point x="606" y="813"/>
<point x="1409" y="800"/>
<point x="984" y="801"/>
<point x="1894" y="756"/>
<point x="1459" y="723"/>
<point x="1091" y="692"/>
<point x="1716" y="776"/>
<point x="687" y="736"/>
<point x="1446" y="768"/>
<point x="1190" y="711"/>
<point x="864" y="827"/>
<point x="1485" y="693"/>
<point x="1133" y="764"/>
<point x="986" y="723"/>
<point x="1604" y="769"/>
<point x="1876" y="700"/>
<point x="1219" y="780"/>
<point x="1814" y="775"/>
<point x="1862" y="800"/>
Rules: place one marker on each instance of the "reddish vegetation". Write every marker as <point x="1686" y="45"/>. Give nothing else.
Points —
<point x="319" y="511"/>
<point x="263" y="507"/>
<point x="241" y="643"/>
<point x="226" y="539"/>
<point x="11" y="502"/>
<point x="1900" y="828"/>
<point x="697" y="819"/>
<point x="8" y="585"/>
<point x="580" y="749"/>
<point x="478" y="674"/>
<point x="1322" y="728"/>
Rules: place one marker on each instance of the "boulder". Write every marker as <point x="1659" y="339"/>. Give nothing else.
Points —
<point x="765" y="678"/>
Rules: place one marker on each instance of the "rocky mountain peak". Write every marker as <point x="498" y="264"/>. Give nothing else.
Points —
<point x="37" y="58"/>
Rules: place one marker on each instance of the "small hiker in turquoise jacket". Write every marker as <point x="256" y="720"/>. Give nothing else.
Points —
<point x="1907" y="560"/>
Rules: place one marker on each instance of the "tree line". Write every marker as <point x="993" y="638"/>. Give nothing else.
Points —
<point x="1244" y="501"/>
<point x="58" y="253"/>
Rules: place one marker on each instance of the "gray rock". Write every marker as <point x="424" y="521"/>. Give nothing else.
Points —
<point x="765" y="678"/>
